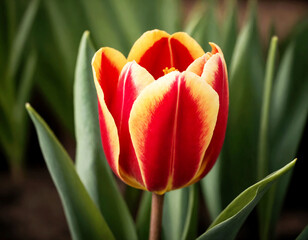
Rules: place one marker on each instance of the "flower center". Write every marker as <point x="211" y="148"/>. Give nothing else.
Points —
<point x="167" y="70"/>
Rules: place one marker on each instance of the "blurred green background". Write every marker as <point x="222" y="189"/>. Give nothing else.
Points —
<point x="267" y="126"/>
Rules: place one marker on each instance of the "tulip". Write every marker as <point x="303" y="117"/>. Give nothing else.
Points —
<point x="162" y="110"/>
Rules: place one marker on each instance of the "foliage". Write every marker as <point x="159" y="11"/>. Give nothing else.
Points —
<point x="268" y="104"/>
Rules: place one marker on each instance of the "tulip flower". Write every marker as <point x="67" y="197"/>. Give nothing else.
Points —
<point x="162" y="110"/>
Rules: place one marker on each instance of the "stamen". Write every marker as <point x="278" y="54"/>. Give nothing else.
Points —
<point x="167" y="70"/>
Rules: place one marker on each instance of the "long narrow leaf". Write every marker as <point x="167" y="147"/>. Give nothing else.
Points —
<point x="143" y="216"/>
<point x="303" y="235"/>
<point x="289" y="112"/>
<point x="246" y="74"/>
<point x="228" y="223"/>
<point x="266" y="203"/>
<point x="91" y="164"/>
<point x="229" y="31"/>
<point x="191" y="221"/>
<point x="21" y="38"/>
<point x="100" y="22"/>
<point x="210" y="186"/>
<point x="174" y="213"/>
<point x="169" y="15"/>
<point x="84" y="218"/>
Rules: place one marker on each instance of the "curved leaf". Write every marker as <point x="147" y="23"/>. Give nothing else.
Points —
<point x="288" y="111"/>
<point x="21" y="38"/>
<point x="228" y="223"/>
<point x="91" y="164"/>
<point x="84" y="218"/>
<point x="191" y="221"/>
<point x="144" y="216"/>
<point x="303" y="235"/>
<point x="238" y="163"/>
<point x="265" y="205"/>
<point x="210" y="187"/>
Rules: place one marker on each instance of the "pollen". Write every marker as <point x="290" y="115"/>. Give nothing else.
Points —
<point x="167" y="70"/>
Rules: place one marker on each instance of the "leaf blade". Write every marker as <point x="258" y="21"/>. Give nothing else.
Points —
<point x="91" y="163"/>
<point x="84" y="223"/>
<point x="228" y="223"/>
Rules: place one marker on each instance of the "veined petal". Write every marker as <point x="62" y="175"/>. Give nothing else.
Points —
<point x="151" y="51"/>
<point x="215" y="74"/>
<point x="171" y="126"/>
<point x="107" y="64"/>
<point x="184" y="50"/>
<point x="132" y="80"/>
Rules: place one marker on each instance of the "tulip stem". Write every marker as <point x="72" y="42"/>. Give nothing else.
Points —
<point x="156" y="216"/>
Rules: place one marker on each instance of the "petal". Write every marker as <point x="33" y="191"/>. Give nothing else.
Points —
<point x="155" y="50"/>
<point x="132" y="80"/>
<point x="108" y="129"/>
<point x="151" y="51"/>
<point x="197" y="66"/>
<point x="215" y="73"/>
<point x="171" y="125"/>
<point x="184" y="50"/>
<point x="107" y="64"/>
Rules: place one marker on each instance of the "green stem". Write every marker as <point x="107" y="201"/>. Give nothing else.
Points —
<point x="156" y="216"/>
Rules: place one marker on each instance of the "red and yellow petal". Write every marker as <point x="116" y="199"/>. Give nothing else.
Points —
<point x="197" y="66"/>
<point x="184" y="50"/>
<point x="109" y="132"/>
<point x="151" y="51"/>
<point x="132" y="80"/>
<point x="107" y="65"/>
<point x="215" y="73"/>
<point x="155" y="50"/>
<point x="171" y="126"/>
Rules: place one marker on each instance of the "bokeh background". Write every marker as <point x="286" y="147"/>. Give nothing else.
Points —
<point x="38" y="48"/>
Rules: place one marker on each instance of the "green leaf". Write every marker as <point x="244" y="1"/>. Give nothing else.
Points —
<point x="228" y="223"/>
<point x="174" y="213"/>
<point x="169" y="15"/>
<point x="26" y="84"/>
<point x="303" y="235"/>
<point x="205" y="28"/>
<point x="126" y="18"/>
<point x="131" y="197"/>
<point x="144" y="216"/>
<point x="21" y="38"/>
<point x="238" y="163"/>
<point x="229" y="31"/>
<point x="67" y="28"/>
<point x="210" y="186"/>
<point x="19" y="126"/>
<point x="91" y="163"/>
<point x="191" y="221"/>
<point x="84" y="218"/>
<point x="289" y="111"/>
<point x="265" y="111"/>
<point x="266" y="203"/>
<point x="102" y="25"/>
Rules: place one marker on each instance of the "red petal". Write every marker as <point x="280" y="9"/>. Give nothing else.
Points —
<point x="184" y="50"/>
<point x="156" y="50"/>
<point x="151" y="51"/>
<point x="132" y="80"/>
<point x="107" y="64"/>
<point x="215" y="73"/>
<point x="171" y="125"/>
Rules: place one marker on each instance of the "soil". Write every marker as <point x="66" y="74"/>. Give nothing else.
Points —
<point x="32" y="210"/>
